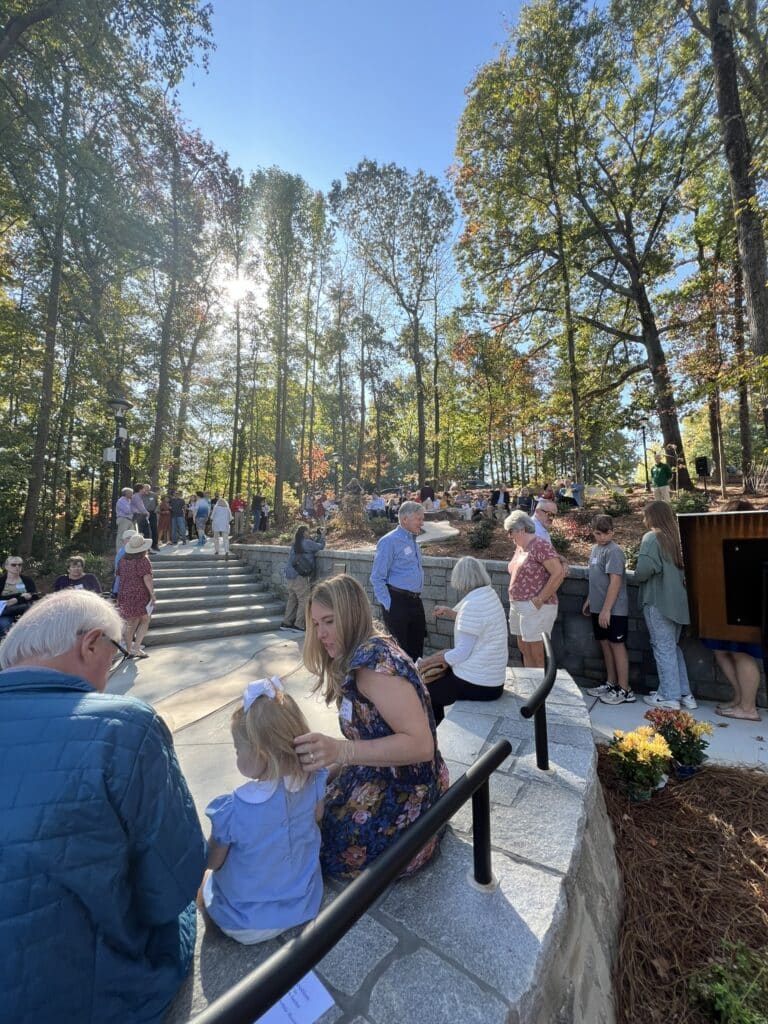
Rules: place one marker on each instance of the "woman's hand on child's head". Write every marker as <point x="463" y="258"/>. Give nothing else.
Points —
<point x="316" y="750"/>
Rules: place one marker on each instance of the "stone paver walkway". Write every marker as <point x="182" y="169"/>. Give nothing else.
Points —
<point x="417" y="956"/>
<point x="435" y="949"/>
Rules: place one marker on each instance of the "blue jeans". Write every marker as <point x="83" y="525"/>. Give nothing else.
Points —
<point x="178" y="529"/>
<point x="670" y="663"/>
<point x="6" y="621"/>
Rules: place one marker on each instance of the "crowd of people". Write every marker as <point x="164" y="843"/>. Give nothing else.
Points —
<point x="468" y="504"/>
<point x="176" y="519"/>
<point x="101" y="840"/>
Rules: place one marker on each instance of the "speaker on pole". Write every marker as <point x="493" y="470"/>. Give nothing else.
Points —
<point x="702" y="466"/>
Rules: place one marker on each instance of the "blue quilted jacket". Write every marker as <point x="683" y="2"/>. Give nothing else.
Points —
<point x="101" y="854"/>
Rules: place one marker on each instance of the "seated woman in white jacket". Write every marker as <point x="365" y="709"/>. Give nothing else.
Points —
<point x="476" y="665"/>
<point x="221" y="517"/>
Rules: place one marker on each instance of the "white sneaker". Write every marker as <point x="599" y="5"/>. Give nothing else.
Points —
<point x="688" y="701"/>
<point x="618" y="696"/>
<point x="656" y="701"/>
<point x="598" y="691"/>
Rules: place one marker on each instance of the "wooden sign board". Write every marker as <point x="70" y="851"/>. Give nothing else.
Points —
<point x="726" y="568"/>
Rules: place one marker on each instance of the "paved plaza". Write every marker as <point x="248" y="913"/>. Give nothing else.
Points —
<point x="196" y="686"/>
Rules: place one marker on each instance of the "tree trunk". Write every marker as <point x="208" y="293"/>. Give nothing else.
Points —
<point x="163" y="396"/>
<point x="745" y="427"/>
<point x="281" y="388"/>
<point x="174" y="470"/>
<point x="305" y="454"/>
<point x="570" y="328"/>
<point x="251" y="415"/>
<point x="436" y="389"/>
<point x="421" y="454"/>
<point x="363" y="411"/>
<point x="751" y="239"/>
<point x="236" y="458"/>
<point x="714" y="410"/>
<point x="377" y="406"/>
<point x="45" y="406"/>
<point x="662" y="388"/>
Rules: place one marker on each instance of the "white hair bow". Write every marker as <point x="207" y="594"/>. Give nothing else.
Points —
<point x="261" y="688"/>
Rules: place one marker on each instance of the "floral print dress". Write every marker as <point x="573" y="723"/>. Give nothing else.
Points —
<point x="367" y="808"/>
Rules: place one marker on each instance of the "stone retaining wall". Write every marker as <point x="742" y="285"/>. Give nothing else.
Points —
<point x="575" y="646"/>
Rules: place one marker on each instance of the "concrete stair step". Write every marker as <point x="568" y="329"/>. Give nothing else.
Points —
<point x="200" y="580"/>
<point x="202" y="599"/>
<point x="216" y="613"/>
<point x="199" y="588"/>
<point x="192" y="559"/>
<point x="225" y="568"/>
<point x="211" y="630"/>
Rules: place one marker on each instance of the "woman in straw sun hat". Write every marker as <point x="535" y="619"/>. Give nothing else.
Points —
<point x="136" y="594"/>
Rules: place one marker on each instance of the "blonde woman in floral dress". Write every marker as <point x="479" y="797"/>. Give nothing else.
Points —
<point x="388" y="769"/>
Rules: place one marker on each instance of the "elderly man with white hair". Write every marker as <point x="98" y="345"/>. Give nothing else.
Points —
<point x="101" y="851"/>
<point x="124" y="515"/>
<point x="398" y="578"/>
<point x="546" y="511"/>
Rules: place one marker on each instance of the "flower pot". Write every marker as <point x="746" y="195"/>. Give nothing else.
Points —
<point x="685" y="771"/>
<point x="639" y="795"/>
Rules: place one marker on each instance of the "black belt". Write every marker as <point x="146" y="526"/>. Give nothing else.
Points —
<point x="405" y="593"/>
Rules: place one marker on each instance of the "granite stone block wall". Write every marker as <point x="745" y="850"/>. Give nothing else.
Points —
<point x="575" y="647"/>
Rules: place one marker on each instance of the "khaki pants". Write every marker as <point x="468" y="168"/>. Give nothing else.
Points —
<point x="298" y="592"/>
<point x="122" y="526"/>
<point x="662" y="494"/>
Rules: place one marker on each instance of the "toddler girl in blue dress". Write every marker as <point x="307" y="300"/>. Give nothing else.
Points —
<point x="264" y="849"/>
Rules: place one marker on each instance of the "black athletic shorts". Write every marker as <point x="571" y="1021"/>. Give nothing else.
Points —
<point x="616" y="632"/>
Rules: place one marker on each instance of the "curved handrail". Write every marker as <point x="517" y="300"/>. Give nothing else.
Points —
<point x="535" y="706"/>
<point x="537" y="698"/>
<point x="261" y="989"/>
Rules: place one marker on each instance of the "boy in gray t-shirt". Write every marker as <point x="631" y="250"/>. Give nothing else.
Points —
<point x="607" y="602"/>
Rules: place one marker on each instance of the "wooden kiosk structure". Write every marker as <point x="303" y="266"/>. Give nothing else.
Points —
<point x="726" y="568"/>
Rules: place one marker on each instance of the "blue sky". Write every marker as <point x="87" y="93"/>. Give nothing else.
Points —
<point x="314" y="86"/>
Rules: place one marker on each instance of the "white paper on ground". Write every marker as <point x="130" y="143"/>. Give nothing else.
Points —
<point x="304" y="1004"/>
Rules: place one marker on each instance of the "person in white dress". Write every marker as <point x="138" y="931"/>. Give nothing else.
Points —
<point x="221" y="518"/>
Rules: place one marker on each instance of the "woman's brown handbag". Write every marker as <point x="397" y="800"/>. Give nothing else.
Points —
<point x="429" y="675"/>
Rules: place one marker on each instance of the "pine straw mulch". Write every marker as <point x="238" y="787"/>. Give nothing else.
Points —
<point x="694" y="860"/>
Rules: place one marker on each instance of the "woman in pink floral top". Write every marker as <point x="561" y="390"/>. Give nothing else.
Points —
<point x="387" y="770"/>
<point x="535" y="573"/>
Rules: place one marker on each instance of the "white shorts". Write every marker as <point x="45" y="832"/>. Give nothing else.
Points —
<point x="529" y="622"/>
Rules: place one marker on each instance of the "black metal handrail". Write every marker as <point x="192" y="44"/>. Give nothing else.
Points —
<point x="535" y="706"/>
<point x="246" y="1001"/>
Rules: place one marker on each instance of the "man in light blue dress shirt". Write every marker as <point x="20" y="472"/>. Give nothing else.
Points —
<point x="398" y="579"/>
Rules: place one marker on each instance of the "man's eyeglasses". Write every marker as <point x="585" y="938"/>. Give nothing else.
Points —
<point x="15" y="565"/>
<point x="121" y="651"/>
<point x="549" y="515"/>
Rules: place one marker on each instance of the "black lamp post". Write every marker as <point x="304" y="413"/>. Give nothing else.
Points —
<point x="119" y="407"/>
<point x="643" y="428"/>
<point x="335" y="459"/>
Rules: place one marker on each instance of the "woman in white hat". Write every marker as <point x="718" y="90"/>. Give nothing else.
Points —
<point x="136" y="594"/>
